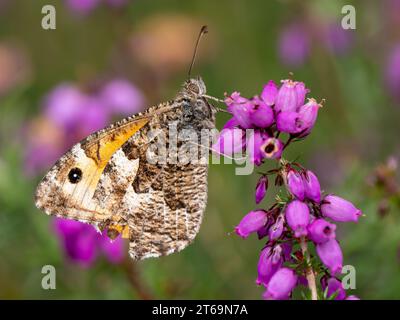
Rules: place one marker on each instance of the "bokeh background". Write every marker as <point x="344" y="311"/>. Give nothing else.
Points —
<point x="111" y="58"/>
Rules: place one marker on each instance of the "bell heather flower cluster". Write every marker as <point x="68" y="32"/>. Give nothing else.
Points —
<point x="302" y="215"/>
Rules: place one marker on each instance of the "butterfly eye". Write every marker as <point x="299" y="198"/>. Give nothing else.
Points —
<point x="75" y="175"/>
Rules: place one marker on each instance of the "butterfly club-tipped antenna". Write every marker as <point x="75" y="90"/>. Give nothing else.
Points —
<point x="202" y="32"/>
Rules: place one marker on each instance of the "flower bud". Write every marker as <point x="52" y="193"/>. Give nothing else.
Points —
<point x="281" y="284"/>
<point x="272" y="148"/>
<point x="269" y="93"/>
<point x="339" y="209"/>
<point x="307" y="116"/>
<point x="335" y="287"/>
<point x="331" y="255"/>
<point x="297" y="217"/>
<point x="251" y="222"/>
<point x="276" y="230"/>
<point x="295" y="184"/>
<point x="320" y="231"/>
<point x="270" y="261"/>
<point x="312" y="187"/>
<point x="261" y="188"/>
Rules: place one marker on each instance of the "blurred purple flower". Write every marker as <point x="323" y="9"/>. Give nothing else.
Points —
<point x="392" y="72"/>
<point x="82" y="243"/>
<point x="337" y="39"/>
<point x="122" y="97"/>
<point x="82" y="6"/>
<point x="294" y="45"/>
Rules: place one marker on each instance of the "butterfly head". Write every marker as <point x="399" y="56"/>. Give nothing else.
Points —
<point x="194" y="87"/>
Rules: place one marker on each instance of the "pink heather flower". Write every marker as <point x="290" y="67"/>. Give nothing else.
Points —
<point x="281" y="284"/>
<point x="270" y="261"/>
<point x="289" y="122"/>
<point x="275" y="231"/>
<point x="82" y="243"/>
<point x="312" y="187"/>
<point x="297" y="216"/>
<point x="261" y="188"/>
<point x="291" y="96"/>
<point x="251" y="222"/>
<point x="122" y="97"/>
<point x="269" y="93"/>
<point x="339" y="209"/>
<point x="295" y="184"/>
<point x="240" y="108"/>
<point x="392" y="72"/>
<point x="331" y="255"/>
<point x="229" y="142"/>
<point x="307" y="116"/>
<point x="294" y="45"/>
<point x="254" y="144"/>
<point x="320" y="231"/>
<point x="352" y="297"/>
<point x="335" y="287"/>
<point x="231" y="123"/>
<point x="261" y="115"/>
<point x="272" y="148"/>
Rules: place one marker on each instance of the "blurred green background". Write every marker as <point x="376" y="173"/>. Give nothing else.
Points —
<point x="249" y="42"/>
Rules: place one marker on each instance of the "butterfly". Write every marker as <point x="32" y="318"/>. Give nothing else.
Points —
<point x="108" y="181"/>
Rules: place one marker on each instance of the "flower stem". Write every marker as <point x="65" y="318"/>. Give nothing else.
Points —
<point x="309" y="271"/>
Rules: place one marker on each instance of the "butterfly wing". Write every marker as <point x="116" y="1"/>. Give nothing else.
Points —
<point x="69" y="187"/>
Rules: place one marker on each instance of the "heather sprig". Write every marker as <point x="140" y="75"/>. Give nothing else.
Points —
<point x="302" y="216"/>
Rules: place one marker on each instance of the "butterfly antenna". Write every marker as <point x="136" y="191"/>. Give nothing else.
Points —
<point x="202" y="32"/>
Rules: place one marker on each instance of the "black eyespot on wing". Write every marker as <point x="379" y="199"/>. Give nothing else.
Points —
<point x="75" y="175"/>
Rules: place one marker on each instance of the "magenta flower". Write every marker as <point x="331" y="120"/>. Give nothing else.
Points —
<point x="335" y="287"/>
<point x="82" y="243"/>
<point x="240" y="108"/>
<point x="261" y="114"/>
<point x="122" y="97"/>
<point x="339" y="209"/>
<point x="272" y="148"/>
<point x="229" y="142"/>
<point x="281" y="284"/>
<point x="392" y="72"/>
<point x="295" y="184"/>
<point x="270" y="261"/>
<point x="297" y="217"/>
<point x="331" y="255"/>
<point x="275" y="230"/>
<point x="337" y="39"/>
<point x="294" y="45"/>
<point x="321" y="231"/>
<point x="269" y="93"/>
<point x="290" y="96"/>
<point x="254" y="145"/>
<point x="352" y="297"/>
<point x="261" y="188"/>
<point x="307" y="117"/>
<point x="312" y="187"/>
<point x="251" y="222"/>
<point x="289" y="122"/>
